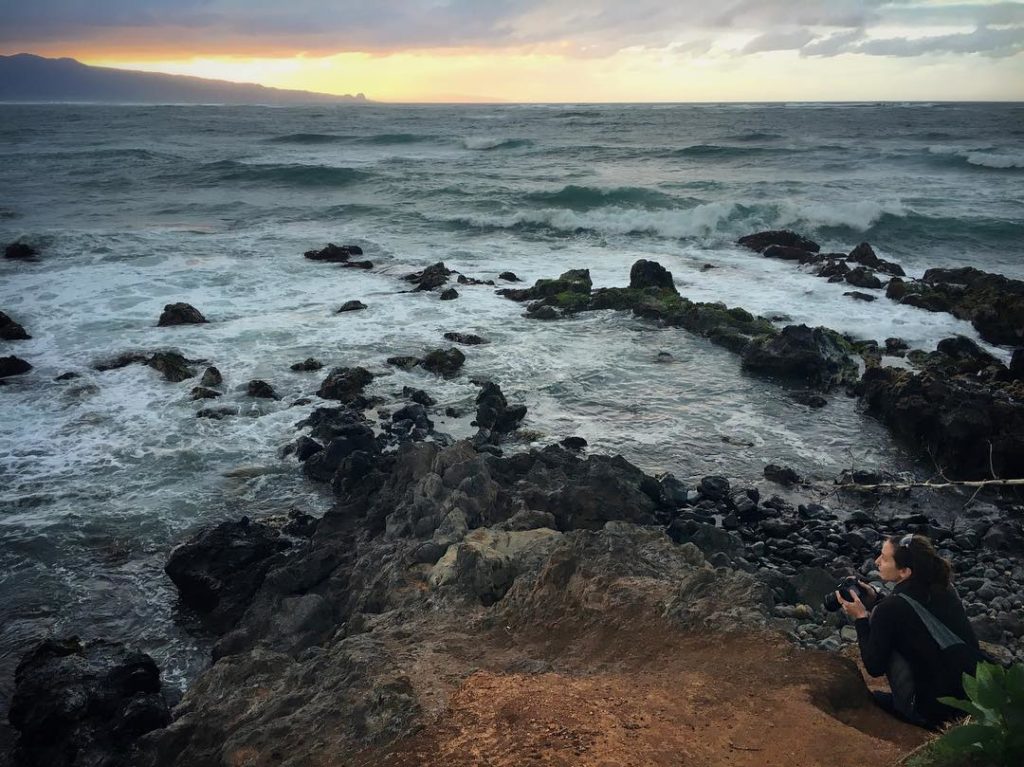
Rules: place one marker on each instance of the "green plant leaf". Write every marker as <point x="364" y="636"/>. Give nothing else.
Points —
<point x="971" y="685"/>
<point x="966" y="706"/>
<point x="965" y="737"/>
<point x="991" y="689"/>
<point x="1015" y="684"/>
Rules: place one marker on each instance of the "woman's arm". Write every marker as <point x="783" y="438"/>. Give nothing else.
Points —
<point x="874" y="636"/>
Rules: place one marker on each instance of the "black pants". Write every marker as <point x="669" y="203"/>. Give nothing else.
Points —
<point x="901" y="702"/>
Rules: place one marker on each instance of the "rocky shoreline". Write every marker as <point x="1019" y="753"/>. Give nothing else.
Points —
<point x="339" y="638"/>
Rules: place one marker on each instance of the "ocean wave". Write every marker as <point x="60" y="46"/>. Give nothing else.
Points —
<point x="490" y="143"/>
<point x="306" y="138"/>
<point x="284" y="175"/>
<point x="699" y="221"/>
<point x="586" y="197"/>
<point x="858" y="215"/>
<point x="718" y="151"/>
<point x="397" y="138"/>
<point x="996" y="159"/>
<point x="756" y="135"/>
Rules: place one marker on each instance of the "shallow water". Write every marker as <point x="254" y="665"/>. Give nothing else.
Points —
<point x="135" y="207"/>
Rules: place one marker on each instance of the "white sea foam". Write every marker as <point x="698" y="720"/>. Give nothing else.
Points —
<point x="996" y="160"/>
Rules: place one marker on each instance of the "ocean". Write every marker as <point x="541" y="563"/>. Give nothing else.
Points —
<point x="136" y="207"/>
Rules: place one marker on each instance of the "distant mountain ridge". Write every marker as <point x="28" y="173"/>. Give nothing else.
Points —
<point x="27" y="77"/>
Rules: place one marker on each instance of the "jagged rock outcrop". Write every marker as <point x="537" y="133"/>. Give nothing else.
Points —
<point x="180" y="314"/>
<point x="172" y="366"/>
<point x="444" y="362"/>
<point x="494" y="417"/>
<point x="994" y="304"/>
<point x="959" y="408"/>
<point x="218" y="571"/>
<point x="78" y="704"/>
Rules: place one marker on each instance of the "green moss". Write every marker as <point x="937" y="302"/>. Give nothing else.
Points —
<point x="570" y="301"/>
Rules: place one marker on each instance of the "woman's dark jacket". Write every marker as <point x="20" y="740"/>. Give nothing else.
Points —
<point x="894" y="626"/>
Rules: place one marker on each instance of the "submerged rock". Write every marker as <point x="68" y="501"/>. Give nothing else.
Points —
<point x="211" y="377"/>
<point x="469" y="339"/>
<point x="20" y="251"/>
<point x="509" y="277"/>
<point x="11" y="330"/>
<point x="862" y="277"/>
<point x="78" y="704"/>
<point x="864" y="254"/>
<point x="449" y="295"/>
<point x="180" y="314"/>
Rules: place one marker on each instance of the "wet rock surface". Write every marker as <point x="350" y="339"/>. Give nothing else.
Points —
<point x="78" y="704"/>
<point x="180" y="314"/>
<point x="351" y="306"/>
<point x="345" y="384"/>
<point x="13" y="366"/>
<point x="11" y="330"/>
<point x="339" y="254"/>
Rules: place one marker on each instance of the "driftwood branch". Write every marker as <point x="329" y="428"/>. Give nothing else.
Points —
<point x="979" y="483"/>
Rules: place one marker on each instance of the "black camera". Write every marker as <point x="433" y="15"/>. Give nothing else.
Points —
<point x="847" y="587"/>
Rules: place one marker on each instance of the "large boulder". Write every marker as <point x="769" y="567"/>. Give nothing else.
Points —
<point x="816" y="357"/>
<point x="862" y="277"/>
<point x="172" y="366"/>
<point x="572" y="282"/>
<point x="784" y="237"/>
<point x="345" y="384"/>
<point x="11" y="330"/>
<point x="218" y="570"/>
<point x="79" y="705"/>
<point x="650" y="274"/>
<point x="180" y="314"/>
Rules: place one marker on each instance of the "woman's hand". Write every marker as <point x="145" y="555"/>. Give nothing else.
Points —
<point x="854" y="608"/>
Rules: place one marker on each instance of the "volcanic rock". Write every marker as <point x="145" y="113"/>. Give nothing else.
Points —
<point x="218" y="570"/>
<point x="261" y="390"/>
<point x="449" y="295"/>
<point x="864" y="254"/>
<point x="19" y="251"/>
<point x="856" y="294"/>
<point x="11" y="330"/>
<point x="334" y="253"/>
<point x="180" y="314"/>
<point x="434" y="276"/>
<point x="650" y="274"/>
<point x="785" y="238"/>
<point x="509" y="277"/>
<point x="79" y="704"/>
<point x="211" y="377"/>
<point x="817" y="357"/>
<point x="785" y="253"/>
<point x="13" y="366"/>
<point x="309" y="364"/>
<point x="469" y="339"/>
<point x="345" y="384"/>
<point x="782" y="475"/>
<point x="172" y="366"/>
<point x="862" y="277"/>
<point x="444" y="362"/>
<point x="351" y="306"/>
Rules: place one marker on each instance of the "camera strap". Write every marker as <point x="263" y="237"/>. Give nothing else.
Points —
<point x="940" y="632"/>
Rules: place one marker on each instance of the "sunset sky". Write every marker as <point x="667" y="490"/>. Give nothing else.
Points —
<point x="551" y="50"/>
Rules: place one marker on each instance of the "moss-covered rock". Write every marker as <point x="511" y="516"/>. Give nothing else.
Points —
<point x="816" y="357"/>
